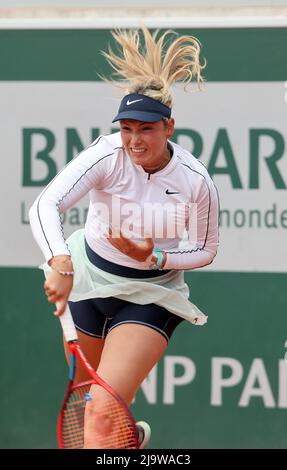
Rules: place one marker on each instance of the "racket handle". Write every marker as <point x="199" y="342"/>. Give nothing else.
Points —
<point x="68" y="325"/>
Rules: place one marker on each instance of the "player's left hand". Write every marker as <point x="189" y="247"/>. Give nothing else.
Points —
<point x="139" y="251"/>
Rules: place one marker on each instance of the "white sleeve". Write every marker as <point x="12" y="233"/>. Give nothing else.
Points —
<point x="75" y="180"/>
<point x="203" y="249"/>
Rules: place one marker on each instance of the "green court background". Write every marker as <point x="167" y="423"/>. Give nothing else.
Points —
<point x="247" y="311"/>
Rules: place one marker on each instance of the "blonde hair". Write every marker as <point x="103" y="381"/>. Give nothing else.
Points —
<point x="152" y="68"/>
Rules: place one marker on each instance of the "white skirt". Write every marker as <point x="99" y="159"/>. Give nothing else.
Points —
<point x="169" y="290"/>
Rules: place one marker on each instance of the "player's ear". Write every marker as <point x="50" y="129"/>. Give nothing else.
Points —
<point x="170" y="127"/>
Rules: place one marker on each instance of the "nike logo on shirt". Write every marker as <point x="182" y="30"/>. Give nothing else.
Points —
<point x="171" y="192"/>
<point x="133" y="101"/>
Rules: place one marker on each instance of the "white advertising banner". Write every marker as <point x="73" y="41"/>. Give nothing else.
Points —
<point x="238" y="130"/>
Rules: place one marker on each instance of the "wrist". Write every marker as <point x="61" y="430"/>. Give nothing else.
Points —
<point x="158" y="259"/>
<point x="60" y="260"/>
<point x="63" y="273"/>
<point x="62" y="264"/>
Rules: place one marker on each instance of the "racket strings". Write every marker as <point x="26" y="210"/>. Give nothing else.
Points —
<point x="93" y="418"/>
<point x="73" y="419"/>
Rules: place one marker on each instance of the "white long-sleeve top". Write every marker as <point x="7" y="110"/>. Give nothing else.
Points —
<point x="180" y="198"/>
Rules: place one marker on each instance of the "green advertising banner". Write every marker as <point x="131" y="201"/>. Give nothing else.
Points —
<point x="223" y="385"/>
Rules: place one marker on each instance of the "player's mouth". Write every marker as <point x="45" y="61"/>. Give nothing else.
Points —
<point x="137" y="151"/>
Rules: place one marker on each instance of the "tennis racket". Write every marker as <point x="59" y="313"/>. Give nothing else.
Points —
<point x="92" y="415"/>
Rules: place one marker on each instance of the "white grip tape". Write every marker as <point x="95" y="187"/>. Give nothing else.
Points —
<point x="68" y="325"/>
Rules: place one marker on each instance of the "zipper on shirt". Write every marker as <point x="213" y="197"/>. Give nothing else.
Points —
<point x="148" y="176"/>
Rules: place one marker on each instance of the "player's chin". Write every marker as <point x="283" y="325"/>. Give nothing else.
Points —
<point x="139" y="159"/>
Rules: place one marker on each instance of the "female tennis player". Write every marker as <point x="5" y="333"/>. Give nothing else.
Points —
<point x="122" y="276"/>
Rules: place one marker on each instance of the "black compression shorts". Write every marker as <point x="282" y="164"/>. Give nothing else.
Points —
<point x="96" y="317"/>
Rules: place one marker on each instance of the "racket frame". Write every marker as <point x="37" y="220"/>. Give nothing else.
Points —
<point x="76" y="353"/>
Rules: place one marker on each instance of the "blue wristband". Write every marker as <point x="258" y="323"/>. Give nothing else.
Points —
<point x="159" y="261"/>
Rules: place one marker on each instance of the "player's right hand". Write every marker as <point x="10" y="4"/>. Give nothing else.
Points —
<point x="57" y="289"/>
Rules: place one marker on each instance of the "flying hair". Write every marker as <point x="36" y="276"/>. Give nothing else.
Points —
<point x="149" y="64"/>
